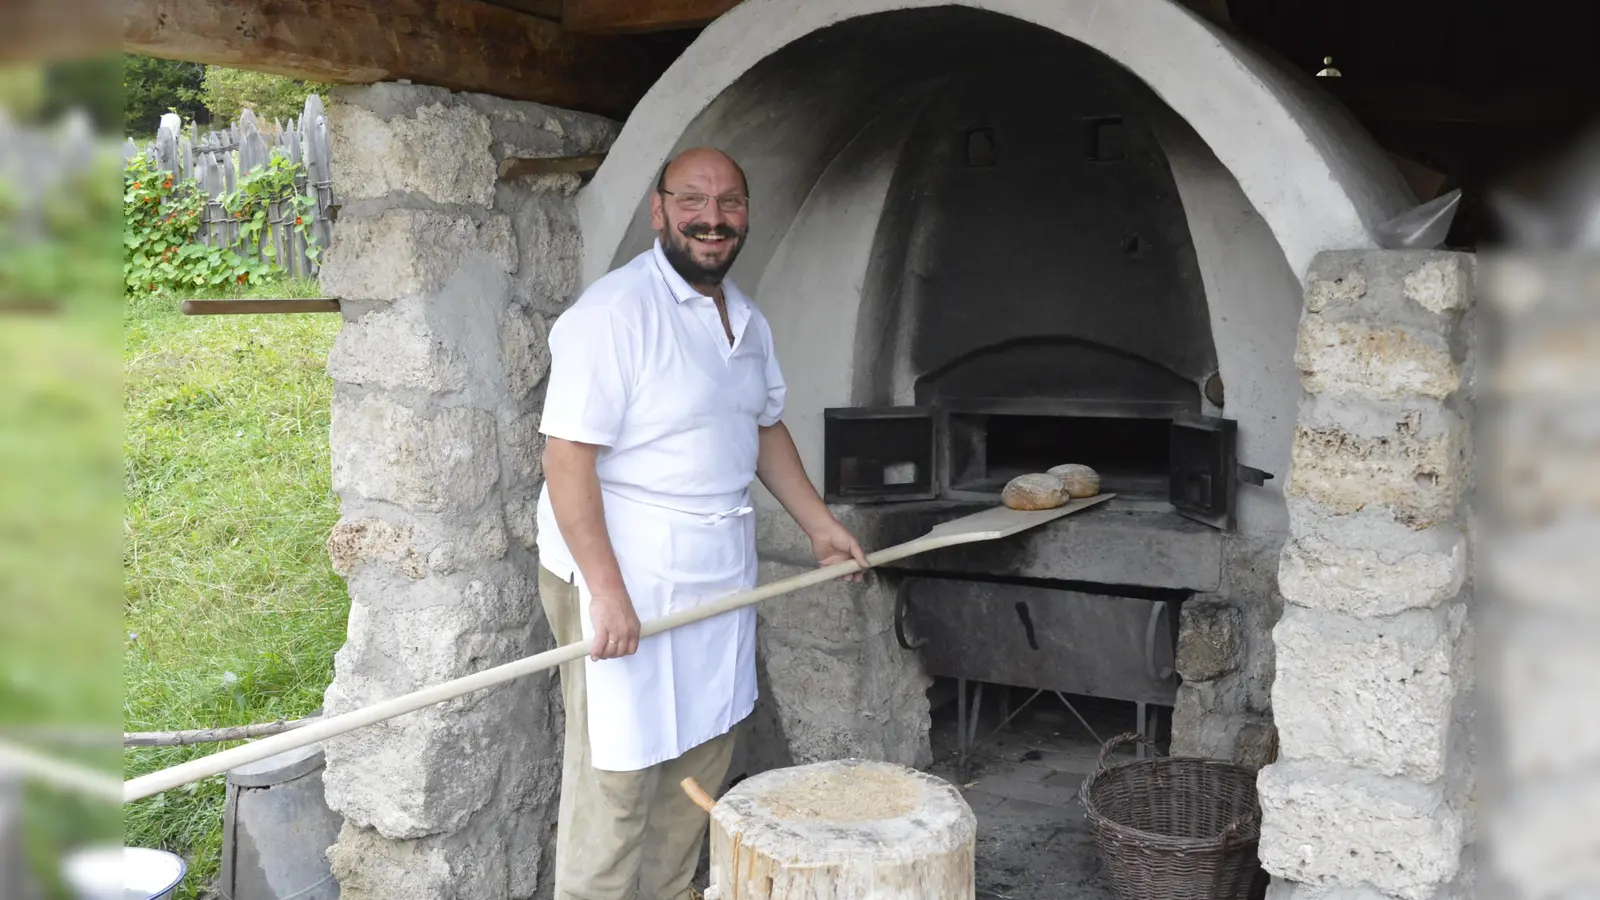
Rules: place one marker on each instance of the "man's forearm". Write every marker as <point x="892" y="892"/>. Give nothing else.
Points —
<point x="779" y="468"/>
<point x="580" y="512"/>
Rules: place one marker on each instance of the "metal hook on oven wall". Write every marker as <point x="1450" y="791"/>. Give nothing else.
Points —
<point x="900" y="597"/>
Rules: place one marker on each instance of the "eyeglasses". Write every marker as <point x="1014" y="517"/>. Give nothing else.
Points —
<point x="696" y="202"/>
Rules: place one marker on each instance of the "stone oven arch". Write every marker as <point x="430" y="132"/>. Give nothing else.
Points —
<point x="1269" y="173"/>
<point x="1317" y="179"/>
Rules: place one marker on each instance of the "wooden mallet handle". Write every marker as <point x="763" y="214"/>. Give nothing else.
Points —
<point x="698" y="794"/>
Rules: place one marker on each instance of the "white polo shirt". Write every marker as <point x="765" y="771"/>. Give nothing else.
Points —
<point x="640" y="365"/>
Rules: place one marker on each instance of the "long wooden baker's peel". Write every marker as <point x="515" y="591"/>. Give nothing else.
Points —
<point x="999" y="521"/>
<point x="987" y="525"/>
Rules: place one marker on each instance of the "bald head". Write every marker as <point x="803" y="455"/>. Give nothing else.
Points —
<point x="698" y="159"/>
<point x="701" y="213"/>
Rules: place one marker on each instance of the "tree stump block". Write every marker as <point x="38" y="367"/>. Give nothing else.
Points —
<point x="845" y="830"/>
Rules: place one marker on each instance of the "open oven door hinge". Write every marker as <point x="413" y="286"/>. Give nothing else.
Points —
<point x="1206" y="471"/>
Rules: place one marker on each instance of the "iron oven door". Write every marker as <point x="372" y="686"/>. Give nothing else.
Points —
<point x="1204" y="469"/>
<point x="878" y="454"/>
<point x="1098" y="645"/>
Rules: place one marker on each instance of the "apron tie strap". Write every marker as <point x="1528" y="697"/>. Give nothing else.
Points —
<point x="714" y="518"/>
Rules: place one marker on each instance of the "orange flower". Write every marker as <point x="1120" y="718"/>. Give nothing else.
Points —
<point x="299" y="221"/>
<point x="243" y="276"/>
<point x="137" y="185"/>
<point x="167" y="183"/>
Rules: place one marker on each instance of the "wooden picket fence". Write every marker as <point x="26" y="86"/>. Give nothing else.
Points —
<point x="217" y="159"/>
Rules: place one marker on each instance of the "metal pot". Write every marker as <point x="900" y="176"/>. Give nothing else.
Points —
<point x="124" y="873"/>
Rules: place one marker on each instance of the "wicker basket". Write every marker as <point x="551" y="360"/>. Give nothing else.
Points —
<point x="1175" y="828"/>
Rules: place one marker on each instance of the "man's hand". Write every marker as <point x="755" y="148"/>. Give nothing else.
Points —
<point x="616" y="625"/>
<point x="833" y="544"/>
<point x="569" y="470"/>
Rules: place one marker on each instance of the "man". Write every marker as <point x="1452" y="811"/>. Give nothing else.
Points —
<point x="664" y="404"/>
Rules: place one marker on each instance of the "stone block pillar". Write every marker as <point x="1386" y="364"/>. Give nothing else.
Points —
<point x="448" y="278"/>
<point x="1538" y="575"/>
<point x="1373" y="700"/>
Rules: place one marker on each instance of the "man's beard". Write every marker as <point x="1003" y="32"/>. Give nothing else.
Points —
<point x="679" y="252"/>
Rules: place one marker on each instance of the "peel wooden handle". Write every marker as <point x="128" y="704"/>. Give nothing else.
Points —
<point x="330" y="726"/>
<point x="698" y="794"/>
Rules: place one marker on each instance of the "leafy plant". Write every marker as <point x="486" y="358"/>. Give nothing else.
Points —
<point x="267" y="192"/>
<point x="22" y="91"/>
<point x="60" y="246"/>
<point x="228" y="91"/>
<point x="153" y="86"/>
<point x="161" y="217"/>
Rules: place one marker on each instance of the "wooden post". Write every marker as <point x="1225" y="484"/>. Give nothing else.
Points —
<point x="256" y="307"/>
<point x="211" y="735"/>
<point x="13" y="857"/>
<point x="847" y="830"/>
<point x="518" y="166"/>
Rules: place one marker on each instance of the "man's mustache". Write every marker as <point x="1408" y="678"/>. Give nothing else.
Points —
<point x="702" y="230"/>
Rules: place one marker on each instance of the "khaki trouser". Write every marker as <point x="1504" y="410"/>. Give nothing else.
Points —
<point x="622" y="835"/>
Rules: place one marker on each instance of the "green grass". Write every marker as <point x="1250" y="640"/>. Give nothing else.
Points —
<point x="60" y="412"/>
<point x="232" y="612"/>
<point x="59" y="383"/>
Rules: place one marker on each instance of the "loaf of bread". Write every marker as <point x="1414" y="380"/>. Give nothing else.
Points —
<point x="1078" y="481"/>
<point x="1037" y="491"/>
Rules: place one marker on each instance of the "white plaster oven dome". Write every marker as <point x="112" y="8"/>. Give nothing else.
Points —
<point x="1319" y="181"/>
<point x="825" y="104"/>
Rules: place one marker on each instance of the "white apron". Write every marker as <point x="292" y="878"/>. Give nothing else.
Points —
<point x="693" y="683"/>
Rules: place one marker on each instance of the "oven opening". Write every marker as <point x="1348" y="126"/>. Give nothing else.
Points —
<point x="988" y="450"/>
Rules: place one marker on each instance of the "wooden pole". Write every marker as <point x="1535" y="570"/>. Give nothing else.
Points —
<point x="257" y="307"/>
<point x="211" y="735"/>
<point x="988" y="525"/>
<point x="517" y="166"/>
<point x="218" y="763"/>
<point x="57" y="773"/>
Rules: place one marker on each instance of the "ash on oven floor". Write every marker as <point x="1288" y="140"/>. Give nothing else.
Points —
<point x="1033" y="841"/>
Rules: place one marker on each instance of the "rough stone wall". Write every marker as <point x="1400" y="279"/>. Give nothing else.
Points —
<point x="834" y="683"/>
<point x="1372" y="793"/>
<point x="1227" y="659"/>
<point x="448" y="279"/>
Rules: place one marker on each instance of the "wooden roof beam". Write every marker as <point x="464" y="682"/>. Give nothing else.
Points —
<point x="465" y="45"/>
<point x="48" y="30"/>
<point x="635" y="16"/>
<point x="544" y="9"/>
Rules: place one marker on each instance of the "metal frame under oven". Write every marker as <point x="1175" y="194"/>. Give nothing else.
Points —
<point x="1048" y="638"/>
